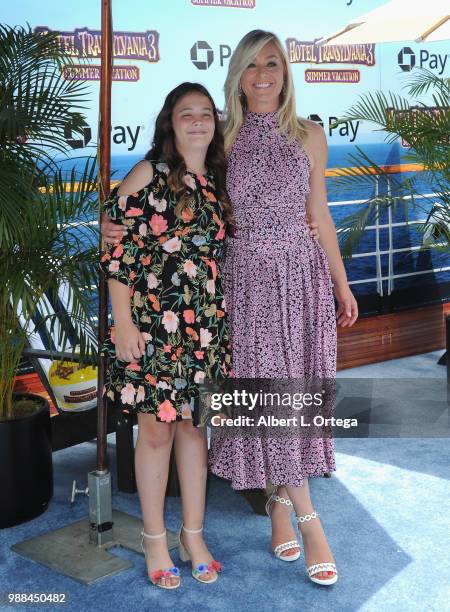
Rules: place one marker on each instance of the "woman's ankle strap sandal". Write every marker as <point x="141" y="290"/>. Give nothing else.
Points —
<point x="322" y="567"/>
<point x="273" y="497"/>
<point x="319" y="567"/>
<point x="278" y="550"/>
<point x="307" y="517"/>
<point x="202" y="568"/>
<point x="171" y="572"/>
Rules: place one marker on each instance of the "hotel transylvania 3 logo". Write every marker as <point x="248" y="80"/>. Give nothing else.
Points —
<point x="300" y="52"/>
<point x="309" y="53"/>
<point x="83" y="43"/>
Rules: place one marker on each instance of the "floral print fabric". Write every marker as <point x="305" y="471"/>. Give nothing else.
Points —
<point x="171" y="265"/>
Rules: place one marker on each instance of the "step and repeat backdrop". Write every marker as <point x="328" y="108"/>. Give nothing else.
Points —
<point x="160" y="43"/>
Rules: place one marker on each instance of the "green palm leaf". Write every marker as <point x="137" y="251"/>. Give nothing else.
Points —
<point x="47" y="237"/>
<point x="426" y="128"/>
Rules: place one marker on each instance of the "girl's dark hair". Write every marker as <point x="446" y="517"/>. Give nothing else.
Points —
<point x="164" y="149"/>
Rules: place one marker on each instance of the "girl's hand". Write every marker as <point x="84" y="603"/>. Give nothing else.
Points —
<point x="314" y="230"/>
<point x="347" y="311"/>
<point x="129" y="342"/>
<point x="111" y="232"/>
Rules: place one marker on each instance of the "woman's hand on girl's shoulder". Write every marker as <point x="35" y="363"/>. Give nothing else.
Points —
<point x="138" y="178"/>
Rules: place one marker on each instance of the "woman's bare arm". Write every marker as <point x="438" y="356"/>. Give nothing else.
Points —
<point x="318" y="210"/>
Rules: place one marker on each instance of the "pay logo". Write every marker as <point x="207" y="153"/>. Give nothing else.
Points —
<point x="407" y="59"/>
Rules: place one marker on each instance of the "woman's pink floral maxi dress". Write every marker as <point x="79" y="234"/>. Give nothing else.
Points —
<point x="279" y="299"/>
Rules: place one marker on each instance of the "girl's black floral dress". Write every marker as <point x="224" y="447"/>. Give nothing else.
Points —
<point x="171" y="265"/>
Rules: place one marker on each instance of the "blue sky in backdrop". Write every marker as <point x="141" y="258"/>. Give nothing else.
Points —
<point x="181" y="25"/>
<point x="195" y="43"/>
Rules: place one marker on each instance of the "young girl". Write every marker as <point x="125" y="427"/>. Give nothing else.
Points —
<point x="170" y="328"/>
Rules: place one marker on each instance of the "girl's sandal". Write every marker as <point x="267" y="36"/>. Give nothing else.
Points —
<point x="201" y="568"/>
<point x="155" y="577"/>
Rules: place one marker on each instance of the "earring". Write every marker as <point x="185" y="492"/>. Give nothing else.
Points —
<point x="242" y="97"/>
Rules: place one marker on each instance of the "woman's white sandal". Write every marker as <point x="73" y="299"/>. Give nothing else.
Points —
<point x="318" y="567"/>
<point x="171" y="572"/>
<point x="278" y="550"/>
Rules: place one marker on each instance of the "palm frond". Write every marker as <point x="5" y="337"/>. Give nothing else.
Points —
<point x="423" y="80"/>
<point x="425" y="129"/>
<point x="47" y="240"/>
<point x="36" y="102"/>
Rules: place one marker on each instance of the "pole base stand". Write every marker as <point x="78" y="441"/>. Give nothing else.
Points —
<point x="68" y="551"/>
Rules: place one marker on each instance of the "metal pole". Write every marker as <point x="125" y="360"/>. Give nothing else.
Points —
<point x="105" y="172"/>
<point x="99" y="481"/>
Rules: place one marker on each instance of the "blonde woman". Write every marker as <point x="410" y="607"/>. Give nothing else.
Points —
<point x="279" y="285"/>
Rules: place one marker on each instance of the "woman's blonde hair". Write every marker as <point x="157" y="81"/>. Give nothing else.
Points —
<point x="244" y="54"/>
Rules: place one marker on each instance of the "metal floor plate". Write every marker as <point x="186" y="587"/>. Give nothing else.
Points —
<point x="68" y="551"/>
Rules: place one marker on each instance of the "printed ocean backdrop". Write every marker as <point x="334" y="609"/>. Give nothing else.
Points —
<point x="432" y="267"/>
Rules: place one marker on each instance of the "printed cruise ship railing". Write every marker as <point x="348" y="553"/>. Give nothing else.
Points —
<point x="391" y="276"/>
<point x="379" y="278"/>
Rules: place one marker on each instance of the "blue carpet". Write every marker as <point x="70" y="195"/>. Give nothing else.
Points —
<point x="385" y="512"/>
